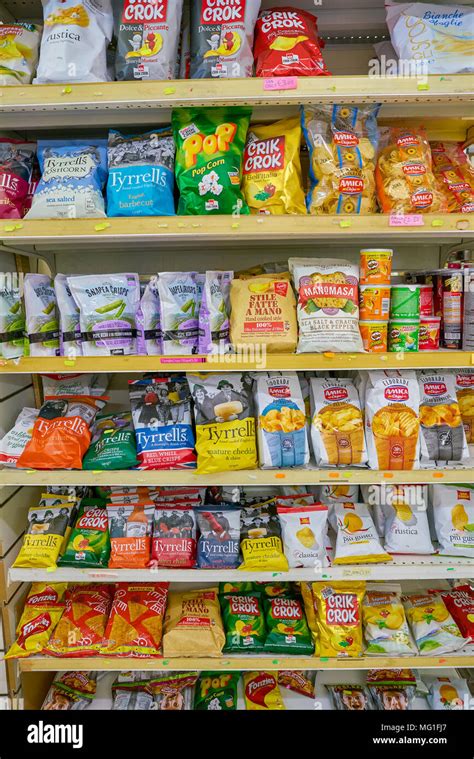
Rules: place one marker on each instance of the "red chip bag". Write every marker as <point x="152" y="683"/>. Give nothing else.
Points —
<point x="460" y="604"/>
<point x="174" y="537"/>
<point x="16" y="167"/>
<point x="287" y="44"/>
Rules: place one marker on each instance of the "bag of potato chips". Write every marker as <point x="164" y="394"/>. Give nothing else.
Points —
<point x="135" y="624"/>
<point x="282" y="435"/>
<point x="243" y="621"/>
<point x="433" y="627"/>
<point x="337" y="428"/>
<point x="454" y="175"/>
<point x="385" y="626"/>
<point x="405" y="521"/>
<point x="19" y="43"/>
<point x="339" y="615"/>
<point x="447" y="693"/>
<point x="81" y="629"/>
<point x="350" y="697"/>
<point x="288" y="631"/>
<point x="193" y="624"/>
<point x="262" y="692"/>
<point x="342" y="142"/>
<point x="443" y="437"/>
<point x="272" y="181"/>
<point x="303" y="529"/>
<point x="453" y="509"/>
<point x="260" y="535"/>
<point x="130" y="528"/>
<point x="47" y="525"/>
<point x="310" y="611"/>
<point x="39" y="618"/>
<point x="89" y="542"/>
<point x="357" y="541"/>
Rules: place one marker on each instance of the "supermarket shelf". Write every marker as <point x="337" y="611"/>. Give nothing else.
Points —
<point x="101" y="663"/>
<point x="402" y="568"/>
<point x="151" y="102"/>
<point x="238" y="362"/>
<point x="247" y="477"/>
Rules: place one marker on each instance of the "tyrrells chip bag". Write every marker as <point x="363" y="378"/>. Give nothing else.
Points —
<point x="74" y="43"/>
<point x="287" y="44"/>
<point x="141" y="171"/>
<point x="70" y="340"/>
<point x="19" y="43"/>
<point x="282" y="434"/>
<point x="261" y="543"/>
<point x="73" y="174"/>
<point x="113" y="443"/>
<point x="453" y="508"/>
<point x="41" y="315"/>
<point x="47" y="525"/>
<point x="339" y="616"/>
<point x="161" y="411"/>
<point x="225" y="424"/>
<point x="214" y="313"/>
<point x="443" y="437"/>
<point x="337" y="428"/>
<point x="222" y="38"/>
<point x="12" y="318"/>
<point x="174" y="536"/>
<point x="210" y="145"/>
<point x="219" y="538"/>
<point x="130" y="527"/>
<point x="16" y="167"/>
<point x="89" y="542"/>
<point x="328" y="304"/>
<point x="392" y="422"/>
<point x="148" y="37"/>
<point x="13" y="442"/>
<point x="108" y="305"/>
<point x="272" y="181"/>
<point x="179" y="312"/>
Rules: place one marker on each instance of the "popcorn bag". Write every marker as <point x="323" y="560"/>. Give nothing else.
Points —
<point x="337" y="429"/>
<point x="282" y="435"/>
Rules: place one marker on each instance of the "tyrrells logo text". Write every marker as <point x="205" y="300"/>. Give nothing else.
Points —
<point x="42" y="732"/>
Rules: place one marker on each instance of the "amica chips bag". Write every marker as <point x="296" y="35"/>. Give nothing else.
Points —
<point x="454" y="174"/>
<point x="443" y="436"/>
<point x="337" y="427"/>
<point x="433" y="627"/>
<point x="19" y="43"/>
<point x="225" y="425"/>
<point x="16" y="168"/>
<point x="385" y="626"/>
<point x="80" y="631"/>
<point x="135" y="624"/>
<point x="465" y="396"/>
<point x="147" y="39"/>
<point x="210" y="144"/>
<point x="339" y="616"/>
<point x="282" y="434"/>
<point x="303" y="529"/>
<point x="222" y="38"/>
<point x="41" y="316"/>
<point x="13" y="342"/>
<point x="243" y="621"/>
<point x="260" y="535"/>
<point x="42" y="541"/>
<point x="287" y="44"/>
<point x="130" y="527"/>
<point x="193" y="624"/>
<point x="453" y="509"/>
<point x="328" y="304"/>
<point x="357" y="541"/>
<point x="272" y="181"/>
<point x="342" y="142"/>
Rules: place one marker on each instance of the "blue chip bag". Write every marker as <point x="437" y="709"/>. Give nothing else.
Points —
<point x="73" y="175"/>
<point x="141" y="174"/>
<point x="219" y="541"/>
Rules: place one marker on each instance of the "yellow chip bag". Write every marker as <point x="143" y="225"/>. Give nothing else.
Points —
<point x="262" y="692"/>
<point x="34" y="630"/>
<point x="260" y="535"/>
<point x="385" y="625"/>
<point x="44" y="536"/>
<point x="339" y="607"/>
<point x="272" y="182"/>
<point x="309" y="604"/>
<point x="44" y="595"/>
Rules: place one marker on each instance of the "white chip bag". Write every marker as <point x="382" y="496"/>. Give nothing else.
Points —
<point x="433" y="627"/>
<point x="406" y="525"/>
<point x="443" y="436"/>
<point x="282" y="434"/>
<point x="357" y="541"/>
<point x="13" y="443"/>
<point x="304" y="534"/>
<point x="337" y="428"/>
<point x="453" y="508"/>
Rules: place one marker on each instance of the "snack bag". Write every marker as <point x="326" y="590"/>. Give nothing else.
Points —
<point x="147" y="40"/>
<point x="263" y="312"/>
<point x="328" y="304"/>
<point x="288" y="631"/>
<point x="131" y="691"/>
<point x="174" y="537"/>
<point x="141" y="171"/>
<point x="47" y="525"/>
<point x="214" y="313"/>
<point x="74" y="43"/>
<point x="149" y="315"/>
<point x="272" y="181"/>
<point x="335" y="493"/>
<point x="41" y="315"/>
<point x="404" y="175"/>
<point x="113" y="443"/>
<point x="130" y="528"/>
<point x="433" y="627"/>
<point x="392" y="689"/>
<point x="337" y="428"/>
<point x="219" y="538"/>
<point x="357" y="541"/>
<point x="161" y="411"/>
<point x="135" y="624"/>
<point x="445" y="31"/>
<point x="443" y="438"/>
<point x="173" y="691"/>
<point x="342" y="141"/>
<point x="222" y="38"/>
<point x="350" y="697"/>
<point x="392" y="424"/>
<point x="287" y="44"/>
<point x="19" y="43"/>
<point x="303" y="529"/>
<point x="385" y="626"/>
<point x="179" y="313"/>
<point x="210" y="144"/>
<point x="16" y="168"/>
<point x="282" y="436"/>
<point x="447" y="693"/>
<point x="63" y="192"/>
<point x="94" y="385"/>
<point x="260" y="535"/>
<point x="61" y="433"/>
<point x="14" y="441"/>
<point x="193" y="624"/>
<point x="12" y="317"/>
<point x="465" y="396"/>
<point x="405" y="525"/>
<point x="216" y="691"/>
<point x="71" y="691"/>
<point x="108" y="305"/>
<point x="262" y="692"/>
<point x="89" y="542"/>
<point x="339" y="617"/>
<point x="297" y="681"/>
<point x="454" y="174"/>
<point x="34" y="629"/>
<point x="235" y="587"/>
<point x="43" y="595"/>
<point x="225" y="424"/>
<point x="80" y="631"/>
<point x="70" y="338"/>
<point x="453" y="509"/>
<point x="310" y="610"/>
<point x="459" y="601"/>
<point x="244" y="622"/>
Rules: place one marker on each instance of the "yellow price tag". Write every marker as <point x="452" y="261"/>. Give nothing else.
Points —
<point x="103" y="225"/>
<point x="423" y="87"/>
<point x="345" y="223"/>
<point x="437" y="223"/>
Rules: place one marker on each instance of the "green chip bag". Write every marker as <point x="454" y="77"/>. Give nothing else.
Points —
<point x="235" y="587"/>
<point x="288" y="631"/>
<point x="216" y="691"/>
<point x="89" y="543"/>
<point x="113" y="443"/>
<point x="210" y="144"/>
<point x="243" y="621"/>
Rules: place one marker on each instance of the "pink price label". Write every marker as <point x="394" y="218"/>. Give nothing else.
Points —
<point x="406" y="220"/>
<point x="187" y="360"/>
<point x="281" y="83"/>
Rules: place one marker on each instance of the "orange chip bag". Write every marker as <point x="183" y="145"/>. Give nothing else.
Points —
<point x="61" y="434"/>
<point x="272" y="182"/>
<point x="135" y="624"/>
<point x="36" y="625"/>
<point x="455" y="175"/>
<point x="262" y="692"/>
<point x="339" y="606"/>
<point x="193" y="624"/>
<point x="81" y="629"/>
<point x="130" y="527"/>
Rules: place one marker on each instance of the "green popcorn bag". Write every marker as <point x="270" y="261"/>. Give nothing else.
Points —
<point x="288" y="631"/>
<point x="89" y="543"/>
<point x="113" y="443"/>
<point x="243" y="621"/>
<point x="210" y="144"/>
<point x="216" y="691"/>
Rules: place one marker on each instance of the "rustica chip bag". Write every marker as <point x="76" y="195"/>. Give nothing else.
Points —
<point x="16" y="167"/>
<point x="210" y="144"/>
<point x="287" y="44"/>
<point x="19" y="43"/>
<point x="148" y="37"/>
<point x="222" y="38"/>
